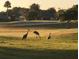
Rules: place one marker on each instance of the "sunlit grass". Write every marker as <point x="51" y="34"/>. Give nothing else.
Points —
<point x="62" y="45"/>
<point x="63" y="42"/>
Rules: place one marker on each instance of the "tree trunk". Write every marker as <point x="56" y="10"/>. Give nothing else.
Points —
<point x="7" y="13"/>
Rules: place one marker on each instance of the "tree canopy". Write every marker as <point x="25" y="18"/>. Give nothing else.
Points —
<point x="35" y="13"/>
<point x="7" y="4"/>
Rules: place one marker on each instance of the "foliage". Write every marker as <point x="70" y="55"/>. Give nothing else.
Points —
<point x="35" y="13"/>
<point x="69" y="14"/>
<point x="7" y="4"/>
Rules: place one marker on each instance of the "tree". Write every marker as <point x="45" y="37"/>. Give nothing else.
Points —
<point x="34" y="7"/>
<point x="61" y="14"/>
<point x="51" y="12"/>
<point x="7" y="5"/>
<point x="72" y="13"/>
<point x="3" y="17"/>
<point x="33" y="12"/>
<point x="69" y="14"/>
<point x="18" y="12"/>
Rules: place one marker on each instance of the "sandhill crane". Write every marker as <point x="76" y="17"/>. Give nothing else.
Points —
<point x="25" y="35"/>
<point x="37" y="33"/>
<point x="49" y="36"/>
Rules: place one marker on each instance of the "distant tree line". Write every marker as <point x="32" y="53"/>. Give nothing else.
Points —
<point x="35" y="13"/>
<point x="69" y="14"/>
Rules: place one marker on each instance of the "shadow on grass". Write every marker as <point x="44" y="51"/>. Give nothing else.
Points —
<point x="45" y="26"/>
<point x="14" y="53"/>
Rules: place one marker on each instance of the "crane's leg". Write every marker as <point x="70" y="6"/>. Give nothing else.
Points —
<point x="39" y="37"/>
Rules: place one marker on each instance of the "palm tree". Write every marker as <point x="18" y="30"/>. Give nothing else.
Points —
<point x="7" y="5"/>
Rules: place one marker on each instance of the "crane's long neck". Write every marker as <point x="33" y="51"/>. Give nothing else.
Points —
<point x="50" y="34"/>
<point x="27" y="32"/>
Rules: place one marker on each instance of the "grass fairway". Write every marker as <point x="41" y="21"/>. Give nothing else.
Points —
<point x="61" y="46"/>
<point x="14" y="53"/>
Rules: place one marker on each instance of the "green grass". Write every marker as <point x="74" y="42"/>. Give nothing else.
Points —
<point x="58" y="47"/>
<point x="14" y="53"/>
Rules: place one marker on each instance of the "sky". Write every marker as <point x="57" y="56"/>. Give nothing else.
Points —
<point x="44" y="4"/>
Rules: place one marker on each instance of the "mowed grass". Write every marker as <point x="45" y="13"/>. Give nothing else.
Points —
<point x="15" y="53"/>
<point x="58" y="47"/>
<point x="64" y="42"/>
<point x="62" y="45"/>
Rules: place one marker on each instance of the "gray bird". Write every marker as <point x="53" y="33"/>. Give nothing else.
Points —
<point x="37" y="33"/>
<point x="25" y="35"/>
<point x="49" y="36"/>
